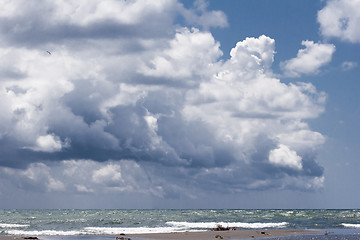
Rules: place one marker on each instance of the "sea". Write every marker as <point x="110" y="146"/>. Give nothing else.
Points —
<point x="88" y="224"/>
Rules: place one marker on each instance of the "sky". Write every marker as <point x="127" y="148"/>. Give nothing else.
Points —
<point x="179" y="104"/>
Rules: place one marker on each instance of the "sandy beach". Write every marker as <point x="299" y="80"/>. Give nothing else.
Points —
<point x="236" y="234"/>
<point x="206" y="235"/>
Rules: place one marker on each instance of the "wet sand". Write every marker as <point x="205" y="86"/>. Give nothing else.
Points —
<point x="235" y="234"/>
<point x="13" y="238"/>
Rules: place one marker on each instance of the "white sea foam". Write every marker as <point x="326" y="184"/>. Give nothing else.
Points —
<point x="210" y="225"/>
<point x="98" y="231"/>
<point x="350" y="225"/>
<point x="45" y="233"/>
<point x="138" y="230"/>
<point x="287" y="214"/>
<point x="11" y="225"/>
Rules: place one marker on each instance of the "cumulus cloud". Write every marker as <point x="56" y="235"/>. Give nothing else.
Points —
<point x="150" y="106"/>
<point x="49" y="143"/>
<point x="308" y="60"/>
<point x="190" y="53"/>
<point x="37" y="177"/>
<point x="286" y="157"/>
<point x="341" y="19"/>
<point x="64" y="21"/>
<point x="82" y="176"/>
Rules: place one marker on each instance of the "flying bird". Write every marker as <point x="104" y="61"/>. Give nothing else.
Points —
<point x="48" y="52"/>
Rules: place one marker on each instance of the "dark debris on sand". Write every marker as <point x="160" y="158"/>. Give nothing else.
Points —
<point x="221" y="228"/>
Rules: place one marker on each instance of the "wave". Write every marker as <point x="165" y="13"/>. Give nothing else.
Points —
<point x="138" y="230"/>
<point x="44" y="233"/>
<point x="11" y="225"/>
<point x="211" y="225"/>
<point x="351" y="225"/>
<point x="174" y="227"/>
<point x="96" y="231"/>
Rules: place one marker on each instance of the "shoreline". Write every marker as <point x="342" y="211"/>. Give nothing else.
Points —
<point x="205" y="235"/>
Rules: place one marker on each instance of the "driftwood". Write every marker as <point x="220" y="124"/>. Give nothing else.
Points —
<point x="221" y="228"/>
<point x="123" y="238"/>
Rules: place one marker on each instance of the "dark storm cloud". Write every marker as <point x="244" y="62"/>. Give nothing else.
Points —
<point x="41" y="23"/>
<point x="36" y="34"/>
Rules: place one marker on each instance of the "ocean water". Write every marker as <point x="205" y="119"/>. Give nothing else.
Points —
<point x="344" y="223"/>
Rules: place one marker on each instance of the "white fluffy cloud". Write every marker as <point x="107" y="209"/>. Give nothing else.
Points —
<point x="341" y="19"/>
<point x="308" y="60"/>
<point x="151" y="106"/>
<point x="286" y="157"/>
<point x="191" y="53"/>
<point x="48" y="143"/>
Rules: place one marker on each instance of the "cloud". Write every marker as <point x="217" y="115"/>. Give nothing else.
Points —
<point x="340" y="19"/>
<point x="117" y="108"/>
<point x="190" y="53"/>
<point x="254" y="53"/>
<point x="347" y="66"/>
<point x="66" y="21"/>
<point x="61" y="21"/>
<point x="49" y="143"/>
<point x="200" y="16"/>
<point x="81" y="176"/>
<point x="308" y="60"/>
<point x="37" y="177"/>
<point x="283" y="156"/>
<point x="110" y="173"/>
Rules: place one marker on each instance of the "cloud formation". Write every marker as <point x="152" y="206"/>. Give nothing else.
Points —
<point x="308" y="60"/>
<point x="340" y="19"/>
<point x="347" y="65"/>
<point x="128" y="101"/>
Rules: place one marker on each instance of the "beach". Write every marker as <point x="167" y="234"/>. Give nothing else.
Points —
<point x="203" y="235"/>
<point x="236" y="234"/>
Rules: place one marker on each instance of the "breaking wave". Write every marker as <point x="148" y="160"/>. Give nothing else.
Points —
<point x="351" y="225"/>
<point x="139" y="230"/>
<point x="10" y="225"/>
<point x="211" y="225"/>
<point x="97" y="231"/>
<point x="44" y="233"/>
<point x="174" y="227"/>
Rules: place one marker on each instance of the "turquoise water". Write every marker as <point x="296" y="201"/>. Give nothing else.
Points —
<point x="97" y="222"/>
